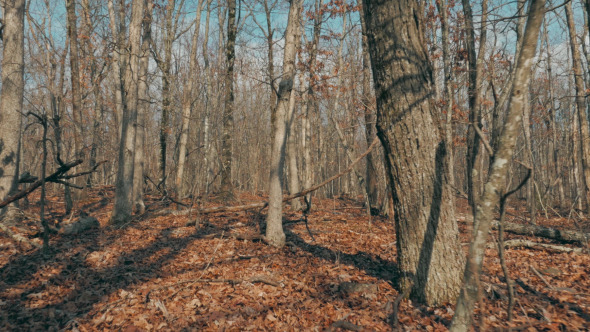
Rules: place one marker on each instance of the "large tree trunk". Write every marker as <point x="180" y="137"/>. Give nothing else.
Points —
<point x="499" y="170"/>
<point x="124" y="184"/>
<point x="430" y="257"/>
<point x="228" y="112"/>
<point x="118" y="32"/>
<point x="580" y="103"/>
<point x="274" y="221"/>
<point x="187" y="102"/>
<point x="11" y="96"/>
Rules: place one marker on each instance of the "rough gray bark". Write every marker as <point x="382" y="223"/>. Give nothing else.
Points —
<point x="497" y="178"/>
<point x="118" y="32"/>
<point x="430" y="257"/>
<point x="228" y="112"/>
<point x="580" y="103"/>
<point x="11" y="96"/>
<point x="75" y="72"/>
<point x="124" y="184"/>
<point x="187" y="102"/>
<point x="274" y="221"/>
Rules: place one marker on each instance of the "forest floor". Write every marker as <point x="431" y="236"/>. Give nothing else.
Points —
<point x="156" y="273"/>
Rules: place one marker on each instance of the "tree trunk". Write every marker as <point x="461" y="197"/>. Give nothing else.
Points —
<point x="142" y="110"/>
<point x="118" y="65"/>
<point x="187" y="103"/>
<point x="11" y="96"/>
<point x="497" y="178"/>
<point x="430" y="256"/>
<point x="124" y="184"/>
<point x="274" y="221"/>
<point x="228" y="112"/>
<point x="475" y="74"/>
<point x="370" y="130"/>
<point x="580" y="103"/>
<point x="75" y="74"/>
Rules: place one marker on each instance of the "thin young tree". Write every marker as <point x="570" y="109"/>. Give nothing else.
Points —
<point x="430" y="255"/>
<point x="497" y="179"/>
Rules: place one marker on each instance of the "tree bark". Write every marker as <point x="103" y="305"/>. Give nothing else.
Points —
<point x="75" y="73"/>
<point x="142" y="110"/>
<point x="124" y="184"/>
<point x="228" y="112"/>
<point x="497" y="178"/>
<point x="187" y="102"/>
<point x="370" y="130"/>
<point x="11" y="96"/>
<point x="430" y="257"/>
<point x="580" y="103"/>
<point x="274" y="221"/>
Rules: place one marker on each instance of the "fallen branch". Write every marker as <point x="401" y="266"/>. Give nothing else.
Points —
<point x="545" y="232"/>
<point x="345" y="325"/>
<point x="56" y="176"/>
<point x="540" y="246"/>
<point x="17" y="237"/>
<point x="239" y="208"/>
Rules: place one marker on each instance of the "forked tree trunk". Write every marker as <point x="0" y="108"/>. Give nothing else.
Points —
<point x="124" y="184"/>
<point x="484" y="212"/>
<point x="274" y="221"/>
<point x="11" y="96"/>
<point x="430" y="256"/>
<point x="580" y="103"/>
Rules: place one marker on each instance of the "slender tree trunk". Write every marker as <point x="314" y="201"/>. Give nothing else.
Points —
<point x="11" y="96"/>
<point x="497" y="179"/>
<point x="142" y="110"/>
<point x="274" y="221"/>
<point x="124" y="184"/>
<point x="75" y="74"/>
<point x="370" y="130"/>
<point x="580" y="103"/>
<point x="187" y="102"/>
<point x="118" y="32"/>
<point x="208" y="97"/>
<point x="475" y="74"/>
<point x="228" y="112"/>
<point x="448" y="91"/>
<point x="430" y="255"/>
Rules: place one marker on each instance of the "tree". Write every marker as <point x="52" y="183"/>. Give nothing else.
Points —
<point x="430" y="256"/>
<point x="124" y="184"/>
<point x="274" y="221"/>
<point x="11" y="96"/>
<point x="494" y="187"/>
<point x="228" y="110"/>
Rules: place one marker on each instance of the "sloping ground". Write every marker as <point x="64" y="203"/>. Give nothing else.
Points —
<point x="158" y="274"/>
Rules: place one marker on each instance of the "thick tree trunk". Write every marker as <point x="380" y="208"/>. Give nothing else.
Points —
<point x="228" y="111"/>
<point x="497" y="179"/>
<point x="580" y="103"/>
<point x="124" y="184"/>
<point x="11" y="96"/>
<point x="274" y="221"/>
<point x="187" y="103"/>
<point x="430" y="257"/>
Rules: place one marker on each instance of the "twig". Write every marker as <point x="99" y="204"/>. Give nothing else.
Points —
<point x="541" y="277"/>
<point x="396" y="304"/>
